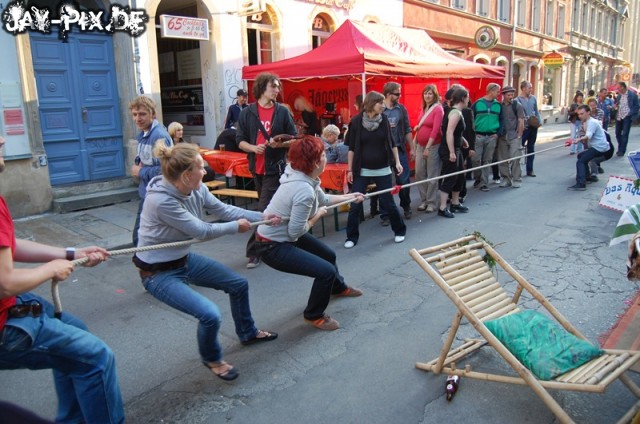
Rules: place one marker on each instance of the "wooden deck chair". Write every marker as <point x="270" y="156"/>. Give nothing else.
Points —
<point x="458" y="268"/>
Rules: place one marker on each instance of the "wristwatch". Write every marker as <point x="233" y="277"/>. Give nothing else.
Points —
<point x="71" y="253"/>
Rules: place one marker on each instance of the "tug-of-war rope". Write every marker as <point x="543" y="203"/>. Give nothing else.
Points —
<point x="393" y="190"/>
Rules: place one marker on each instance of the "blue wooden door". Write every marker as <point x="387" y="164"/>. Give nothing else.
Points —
<point x="78" y="105"/>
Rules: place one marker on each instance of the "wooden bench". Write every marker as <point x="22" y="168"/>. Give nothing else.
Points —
<point x="232" y="193"/>
<point x="215" y="184"/>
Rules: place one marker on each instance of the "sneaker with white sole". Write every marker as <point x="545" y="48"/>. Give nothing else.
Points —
<point x="349" y="244"/>
<point x="399" y="239"/>
<point x="253" y="262"/>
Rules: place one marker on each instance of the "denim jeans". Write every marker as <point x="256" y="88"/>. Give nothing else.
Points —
<point x="529" y="137"/>
<point x="310" y="257"/>
<point x="582" y="165"/>
<point x="386" y="203"/>
<point x="172" y="288"/>
<point x="402" y="179"/>
<point x="622" y="134"/>
<point x="84" y="368"/>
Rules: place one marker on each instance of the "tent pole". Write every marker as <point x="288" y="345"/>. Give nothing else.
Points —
<point x="364" y="85"/>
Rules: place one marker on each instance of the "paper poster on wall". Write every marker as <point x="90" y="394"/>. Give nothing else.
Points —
<point x="189" y="64"/>
<point x="13" y="121"/>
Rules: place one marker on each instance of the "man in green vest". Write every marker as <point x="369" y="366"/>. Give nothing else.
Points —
<point x="487" y="113"/>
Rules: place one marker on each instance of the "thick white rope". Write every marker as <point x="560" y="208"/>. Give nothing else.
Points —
<point x="54" y="283"/>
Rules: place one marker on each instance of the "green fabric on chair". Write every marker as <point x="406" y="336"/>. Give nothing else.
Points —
<point x="541" y="345"/>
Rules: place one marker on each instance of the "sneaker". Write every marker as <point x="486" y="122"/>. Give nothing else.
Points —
<point x="496" y="181"/>
<point x="506" y="183"/>
<point x="600" y="170"/>
<point x="577" y="187"/>
<point x="324" y="323"/>
<point x="349" y="292"/>
<point x="430" y="209"/>
<point x="458" y="208"/>
<point x="477" y="183"/>
<point x="253" y="262"/>
<point x="384" y="221"/>
<point x="399" y="239"/>
<point x="407" y="213"/>
<point x="422" y="207"/>
<point x="349" y="244"/>
<point x="484" y="188"/>
<point x="446" y="213"/>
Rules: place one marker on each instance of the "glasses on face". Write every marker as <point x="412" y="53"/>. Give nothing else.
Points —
<point x="397" y="94"/>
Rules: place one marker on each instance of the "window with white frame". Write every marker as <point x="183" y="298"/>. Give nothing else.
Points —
<point x="504" y="10"/>
<point x="560" y="24"/>
<point x="260" y="39"/>
<point x="522" y="13"/>
<point x="605" y="30"/>
<point x="320" y="30"/>
<point x="482" y="7"/>
<point x="585" y="16"/>
<point x="613" y="39"/>
<point x="535" y="6"/>
<point x="592" y="29"/>
<point x="598" y="34"/>
<point x="548" y="25"/>
<point x="576" y="16"/>
<point x="459" y="4"/>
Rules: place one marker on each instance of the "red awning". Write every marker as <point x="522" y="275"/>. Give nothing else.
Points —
<point x="377" y="50"/>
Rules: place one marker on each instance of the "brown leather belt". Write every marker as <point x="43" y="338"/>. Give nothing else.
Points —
<point x="262" y="239"/>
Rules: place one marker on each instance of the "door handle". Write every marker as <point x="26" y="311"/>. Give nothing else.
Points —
<point x="85" y="115"/>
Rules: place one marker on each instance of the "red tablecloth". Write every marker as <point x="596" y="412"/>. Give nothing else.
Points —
<point x="236" y="164"/>
<point x="227" y="163"/>
<point x="334" y="177"/>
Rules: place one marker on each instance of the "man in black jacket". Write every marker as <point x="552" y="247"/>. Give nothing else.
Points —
<point x="257" y="125"/>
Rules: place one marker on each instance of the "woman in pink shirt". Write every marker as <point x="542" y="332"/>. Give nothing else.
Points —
<point x="425" y="148"/>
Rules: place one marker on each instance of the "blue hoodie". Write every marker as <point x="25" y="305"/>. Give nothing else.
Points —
<point x="298" y="198"/>
<point x="169" y="216"/>
<point x="150" y="165"/>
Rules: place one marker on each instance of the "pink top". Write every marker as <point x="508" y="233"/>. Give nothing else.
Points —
<point x="431" y="126"/>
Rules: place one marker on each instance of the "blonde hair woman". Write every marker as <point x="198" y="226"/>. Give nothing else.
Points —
<point x="172" y="211"/>
<point x="308" y="114"/>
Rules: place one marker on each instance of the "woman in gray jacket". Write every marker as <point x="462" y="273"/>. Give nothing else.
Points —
<point x="172" y="212"/>
<point x="290" y="248"/>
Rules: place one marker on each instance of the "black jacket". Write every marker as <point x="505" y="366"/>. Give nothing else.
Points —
<point x="353" y="141"/>
<point x="248" y="128"/>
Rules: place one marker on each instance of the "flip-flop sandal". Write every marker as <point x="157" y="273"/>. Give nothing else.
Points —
<point x="230" y="374"/>
<point x="268" y="336"/>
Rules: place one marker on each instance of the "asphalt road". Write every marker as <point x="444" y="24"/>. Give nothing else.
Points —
<point x="364" y="372"/>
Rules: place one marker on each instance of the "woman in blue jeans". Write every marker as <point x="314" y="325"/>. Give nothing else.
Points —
<point x="290" y="248"/>
<point x="372" y="156"/>
<point x="172" y="212"/>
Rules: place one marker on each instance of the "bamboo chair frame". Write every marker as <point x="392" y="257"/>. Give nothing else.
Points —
<point x="458" y="268"/>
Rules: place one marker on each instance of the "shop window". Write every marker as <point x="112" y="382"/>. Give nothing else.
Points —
<point x="535" y="5"/>
<point x="320" y="31"/>
<point x="548" y="87"/>
<point x="560" y="25"/>
<point x="459" y="4"/>
<point x="181" y="77"/>
<point x="522" y="13"/>
<point x="504" y="10"/>
<point x="549" y="18"/>
<point x="260" y="39"/>
<point x="482" y="7"/>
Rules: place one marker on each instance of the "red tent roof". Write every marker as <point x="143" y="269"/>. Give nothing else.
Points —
<point x="375" y="49"/>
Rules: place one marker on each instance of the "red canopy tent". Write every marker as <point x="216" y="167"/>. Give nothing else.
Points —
<point x="359" y="57"/>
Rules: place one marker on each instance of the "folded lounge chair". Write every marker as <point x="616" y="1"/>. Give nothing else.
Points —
<point x="460" y="270"/>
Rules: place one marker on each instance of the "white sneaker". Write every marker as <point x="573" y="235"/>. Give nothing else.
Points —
<point x="349" y="244"/>
<point x="399" y="239"/>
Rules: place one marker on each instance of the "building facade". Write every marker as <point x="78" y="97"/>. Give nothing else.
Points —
<point x="519" y="34"/>
<point x="596" y="46"/>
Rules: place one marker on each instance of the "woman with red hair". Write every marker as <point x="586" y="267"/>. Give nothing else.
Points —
<point x="290" y="248"/>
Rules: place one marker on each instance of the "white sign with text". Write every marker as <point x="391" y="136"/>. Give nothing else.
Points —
<point x="184" y="27"/>
<point x="619" y="194"/>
